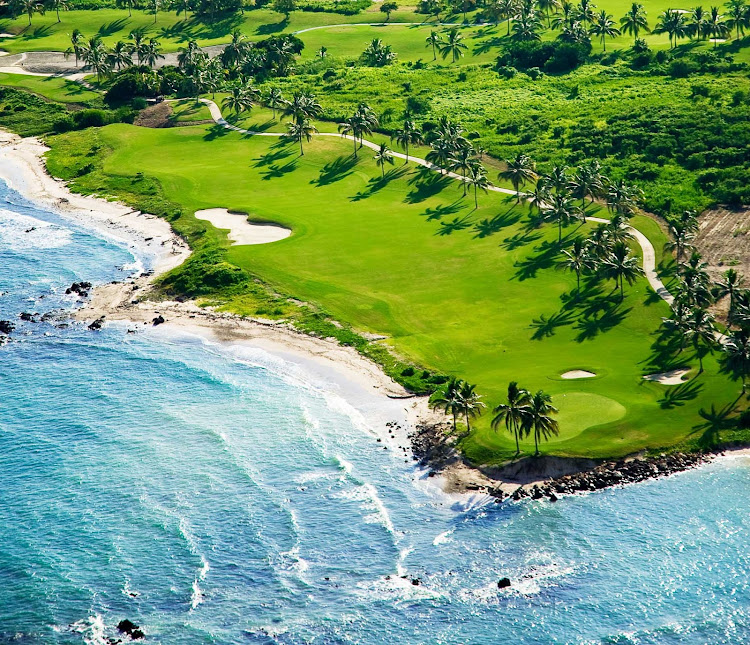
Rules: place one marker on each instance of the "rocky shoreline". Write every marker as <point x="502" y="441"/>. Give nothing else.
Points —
<point x="432" y="450"/>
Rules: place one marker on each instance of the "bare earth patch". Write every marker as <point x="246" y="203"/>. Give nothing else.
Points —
<point x="155" y="116"/>
<point x="241" y="231"/>
<point x="573" y="374"/>
<point x="673" y="377"/>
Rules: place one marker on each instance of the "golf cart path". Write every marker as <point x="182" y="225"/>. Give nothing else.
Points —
<point x="647" y="249"/>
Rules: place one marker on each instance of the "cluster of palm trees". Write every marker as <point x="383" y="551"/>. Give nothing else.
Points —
<point x="691" y="322"/>
<point x="378" y="54"/>
<point x="105" y="60"/>
<point x="303" y="107"/>
<point x="363" y="121"/>
<point x="449" y="43"/>
<point x="701" y="24"/>
<point x="451" y="151"/>
<point x="523" y="414"/>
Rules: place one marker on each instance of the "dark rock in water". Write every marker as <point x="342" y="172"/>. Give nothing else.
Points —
<point x="136" y="634"/>
<point x="97" y="324"/>
<point x="416" y="582"/>
<point x="126" y="626"/>
<point x="552" y="496"/>
<point x="503" y="583"/>
<point x="6" y="327"/>
<point x="81" y="288"/>
<point x="158" y="320"/>
<point x="25" y="315"/>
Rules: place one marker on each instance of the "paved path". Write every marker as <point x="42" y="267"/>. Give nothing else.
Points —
<point x="649" y="254"/>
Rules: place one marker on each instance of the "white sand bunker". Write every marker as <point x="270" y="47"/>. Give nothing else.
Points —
<point x="4" y="35"/>
<point x="673" y="377"/>
<point x="241" y="231"/>
<point x="577" y="374"/>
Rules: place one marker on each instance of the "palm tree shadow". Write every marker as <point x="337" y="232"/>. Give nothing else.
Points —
<point x="665" y="354"/>
<point x="273" y="28"/>
<point x="271" y="157"/>
<point x="441" y="211"/>
<point x="488" y="227"/>
<point x="378" y="183"/>
<point x="487" y="45"/>
<point x="678" y="395"/>
<point x="545" y="327"/>
<point x="456" y="224"/>
<point x="112" y="27"/>
<point x="335" y="170"/>
<point x="520" y="239"/>
<point x="530" y="266"/>
<point x="215" y="131"/>
<point x="715" y="422"/>
<point x="591" y="326"/>
<point x="39" y="32"/>
<point x="426" y="185"/>
<point x="275" y="171"/>
<point x="252" y="127"/>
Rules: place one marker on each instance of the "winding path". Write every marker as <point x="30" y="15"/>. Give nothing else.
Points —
<point x="647" y="248"/>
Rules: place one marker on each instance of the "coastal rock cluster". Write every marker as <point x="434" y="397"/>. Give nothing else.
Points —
<point x="611" y="474"/>
<point x="81" y="288"/>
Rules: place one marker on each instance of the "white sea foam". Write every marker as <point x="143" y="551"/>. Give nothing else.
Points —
<point x="91" y="630"/>
<point x="21" y="232"/>
<point x="443" y="538"/>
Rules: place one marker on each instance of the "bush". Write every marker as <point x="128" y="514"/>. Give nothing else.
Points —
<point x="553" y="57"/>
<point x="682" y="68"/>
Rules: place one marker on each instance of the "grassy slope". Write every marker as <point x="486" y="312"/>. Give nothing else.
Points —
<point x="373" y="255"/>
<point x="55" y="89"/>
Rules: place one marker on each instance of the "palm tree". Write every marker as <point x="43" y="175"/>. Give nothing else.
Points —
<point x="275" y="100"/>
<point x="561" y="210"/>
<point x="672" y="22"/>
<point x="716" y="25"/>
<point x="565" y="17"/>
<point x="587" y="181"/>
<point x="622" y="199"/>
<point x="368" y="121"/>
<point x="518" y="171"/>
<point x="729" y="285"/>
<point x="448" y="400"/>
<point x="240" y="98"/>
<point x="351" y="127"/>
<point x="577" y="259"/>
<point x="95" y="56"/>
<point x="514" y="413"/>
<point x="540" y="195"/>
<point x="698" y="23"/>
<point x="235" y="50"/>
<point x="30" y="7"/>
<point x="76" y="40"/>
<point x="384" y="155"/>
<point x="453" y="45"/>
<point x="739" y="16"/>
<point x="682" y="239"/>
<point x="120" y="55"/>
<point x="151" y="53"/>
<point x="440" y="153"/>
<point x="469" y="403"/>
<point x="478" y="178"/>
<point x="461" y="159"/>
<point x="409" y="134"/>
<point x="634" y="21"/>
<point x="539" y="419"/>
<point x="548" y="7"/>
<point x="138" y="36"/>
<point x="58" y="6"/>
<point x="558" y="179"/>
<point x="527" y="26"/>
<point x="507" y="9"/>
<point x="736" y="360"/>
<point x="303" y="106"/>
<point x="434" y="40"/>
<point x="322" y="52"/>
<point x="621" y="266"/>
<point x="301" y="129"/>
<point x="604" y="27"/>
<point x="701" y="332"/>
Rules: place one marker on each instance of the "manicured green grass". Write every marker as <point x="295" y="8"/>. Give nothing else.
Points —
<point x="55" y="89"/>
<point x="404" y="258"/>
<point x="188" y="110"/>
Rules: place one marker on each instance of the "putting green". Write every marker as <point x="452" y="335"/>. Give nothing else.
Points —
<point x="582" y="410"/>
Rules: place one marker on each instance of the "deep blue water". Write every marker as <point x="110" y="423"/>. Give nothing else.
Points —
<point x="225" y="496"/>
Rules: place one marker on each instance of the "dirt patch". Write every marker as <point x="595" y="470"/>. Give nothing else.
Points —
<point x="724" y="240"/>
<point x="155" y="116"/>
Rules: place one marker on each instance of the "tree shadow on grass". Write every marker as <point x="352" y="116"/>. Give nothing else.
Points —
<point x="252" y="127"/>
<point x="591" y="326"/>
<point x="441" y="211"/>
<point x="272" y="157"/>
<point x="487" y="45"/>
<point x="272" y="28"/>
<point x="426" y="183"/>
<point x="275" y="171"/>
<point x="546" y="326"/>
<point x="715" y="422"/>
<point x="520" y="239"/>
<point x="39" y="32"/>
<point x="677" y="395"/>
<point x="112" y="27"/>
<point x="378" y="183"/>
<point x="487" y="227"/>
<point x="215" y="131"/>
<point x="545" y="258"/>
<point x="456" y="224"/>
<point x="335" y="170"/>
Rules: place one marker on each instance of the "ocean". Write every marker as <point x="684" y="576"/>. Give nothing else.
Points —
<point x="223" y="494"/>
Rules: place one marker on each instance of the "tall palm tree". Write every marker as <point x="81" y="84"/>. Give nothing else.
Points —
<point x="585" y="12"/>
<point x="470" y="403"/>
<point x="240" y="98"/>
<point x="587" y="181"/>
<point x="716" y="25"/>
<point x="383" y="156"/>
<point x="77" y="41"/>
<point x="30" y="7"/>
<point x="507" y="9"/>
<point x="701" y="332"/>
<point x="736" y="360"/>
<point x="729" y="285"/>
<point x="527" y="26"/>
<point x="539" y="419"/>
<point x="634" y="21"/>
<point x="368" y="121"/>
<point x="448" y="400"/>
<point x="453" y="45"/>
<point x="514" y="413"/>
<point x="478" y="179"/>
<point x="151" y="53"/>
<point x="548" y="7"/>
<point x="58" y="6"/>
<point x="138" y="36"/>
<point x="561" y="210"/>
<point x="434" y="40"/>
<point x="299" y="130"/>
<point x="303" y="106"/>
<point x="351" y="127"/>
<point x="408" y="135"/>
<point x="698" y="23"/>
<point x="672" y="22"/>
<point x="622" y="267"/>
<point x="622" y="199"/>
<point x="558" y="178"/>
<point x="577" y="259"/>
<point x="604" y="27"/>
<point x="95" y="56"/>
<point x="440" y="153"/>
<point x="120" y="55"/>
<point x="275" y="100"/>
<point x="518" y="171"/>
<point x="235" y="50"/>
<point x="739" y="16"/>
<point x="462" y="159"/>
<point x="540" y="195"/>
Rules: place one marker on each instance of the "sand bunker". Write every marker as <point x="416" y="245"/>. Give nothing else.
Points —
<point x="240" y="230"/>
<point x="577" y="374"/>
<point x="673" y="377"/>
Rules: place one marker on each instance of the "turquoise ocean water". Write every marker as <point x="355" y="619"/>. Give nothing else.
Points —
<point x="224" y="495"/>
